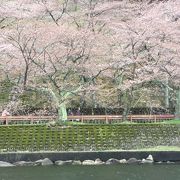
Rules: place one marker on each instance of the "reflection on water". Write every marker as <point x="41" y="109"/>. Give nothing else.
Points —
<point x="118" y="172"/>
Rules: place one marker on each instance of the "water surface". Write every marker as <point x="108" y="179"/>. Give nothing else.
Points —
<point x="116" y="172"/>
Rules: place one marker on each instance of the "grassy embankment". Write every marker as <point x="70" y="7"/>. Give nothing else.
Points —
<point x="117" y="137"/>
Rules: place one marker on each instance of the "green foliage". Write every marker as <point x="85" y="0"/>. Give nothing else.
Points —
<point x="33" y="99"/>
<point x="5" y="89"/>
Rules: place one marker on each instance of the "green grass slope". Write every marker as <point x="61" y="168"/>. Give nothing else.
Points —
<point x="89" y="137"/>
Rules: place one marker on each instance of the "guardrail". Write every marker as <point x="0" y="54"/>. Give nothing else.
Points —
<point x="86" y="118"/>
<point x="119" y="118"/>
<point x="23" y="119"/>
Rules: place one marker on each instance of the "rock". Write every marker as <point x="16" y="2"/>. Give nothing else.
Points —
<point x="99" y="162"/>
<point x="68" y="162"/>
<point x="24" y="163"/>
<point x="76" y="162"/>
<point x="112" y="161"/>
<point x="159" y="162"/>
<point x="123" y="161"/>
<point x="60" y="162"/>
<point x="88" y="162"/>
<point x="133" y="161"/>
<point x="145" y="161"/>
<point x="38" y="162"/>
<point x="44" y="162"/>
<point x="5" y="164"/>
<point x="150" y="158"/>
<point x="170" y="162"/>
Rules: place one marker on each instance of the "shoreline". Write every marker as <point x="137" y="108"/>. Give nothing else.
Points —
<point x="159" y="156"/>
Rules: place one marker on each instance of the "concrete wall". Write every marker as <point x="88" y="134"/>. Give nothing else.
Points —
<point x="158" y="156"/>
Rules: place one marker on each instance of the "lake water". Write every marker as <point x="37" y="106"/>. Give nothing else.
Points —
<point x="116" y="172"/>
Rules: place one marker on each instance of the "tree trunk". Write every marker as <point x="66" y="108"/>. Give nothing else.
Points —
<point x="94" y="103"/>
<point x="166" y="95"/>
<point x="126" y="102"/>
<point x="62" y="113"/>
<point x="177" y="113"/>
<point x="125" y="113"/>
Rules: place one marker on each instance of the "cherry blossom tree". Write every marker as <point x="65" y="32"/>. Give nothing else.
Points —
<point x="107" y="52"/>
<point x="149" y="45"/>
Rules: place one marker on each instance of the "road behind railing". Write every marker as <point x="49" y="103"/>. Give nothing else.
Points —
<point x="105" y="119"/>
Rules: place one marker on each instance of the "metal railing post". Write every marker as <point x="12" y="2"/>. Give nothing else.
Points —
<point x="106" y="119"/>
